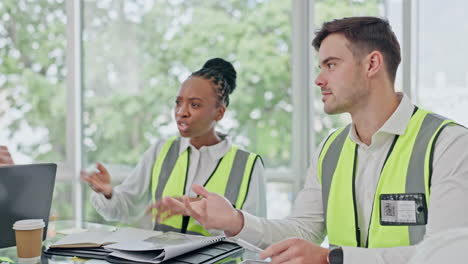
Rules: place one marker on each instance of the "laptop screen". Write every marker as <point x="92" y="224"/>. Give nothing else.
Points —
<point x="25" y="193"/>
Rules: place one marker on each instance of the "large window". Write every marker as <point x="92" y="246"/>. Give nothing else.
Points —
<point x="442" y="74"/>
<point x="32" y="56"/>
<point x="126" y="60"/>
<point x="32" y="87"/>
<point x="138" y="53"/>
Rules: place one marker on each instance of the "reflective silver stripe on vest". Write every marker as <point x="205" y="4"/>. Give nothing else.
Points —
<point x="236" y="176"/>
<point x="167" y="167"/>
<point x="329" y="165"/>
<point x="415" y="176"/>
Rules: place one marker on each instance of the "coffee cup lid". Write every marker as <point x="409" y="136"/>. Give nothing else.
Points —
<point x="28" y="224"/>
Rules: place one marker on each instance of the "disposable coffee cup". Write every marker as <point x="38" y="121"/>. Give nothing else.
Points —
<point x="28" y="234"/>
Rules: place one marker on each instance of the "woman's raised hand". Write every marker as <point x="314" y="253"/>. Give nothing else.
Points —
<point x="99" y="181"/>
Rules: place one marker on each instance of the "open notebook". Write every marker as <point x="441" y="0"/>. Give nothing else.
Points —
<point x="162" y="247"/>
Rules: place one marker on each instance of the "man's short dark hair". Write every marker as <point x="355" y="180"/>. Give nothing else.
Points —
<point x="365" y="34"/>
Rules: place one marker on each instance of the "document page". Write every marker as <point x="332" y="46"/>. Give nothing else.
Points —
<point x="130" y="233"/>
<point x="161" y="247"/>
<point x="100" y="238"/>
<point x="85" y="239"/>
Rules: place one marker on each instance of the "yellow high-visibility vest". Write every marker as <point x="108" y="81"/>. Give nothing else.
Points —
<point x="407" y="169"/>
<point x="230" y="179"/>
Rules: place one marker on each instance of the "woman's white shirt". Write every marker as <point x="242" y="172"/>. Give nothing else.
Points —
<point x="132" y="197"/>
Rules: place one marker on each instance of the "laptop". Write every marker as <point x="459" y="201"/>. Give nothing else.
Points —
<point x="25" y="193"/>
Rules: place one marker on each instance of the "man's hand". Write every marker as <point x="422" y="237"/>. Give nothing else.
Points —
<point x="295" y="250"/>
<point x="99" y="181"/>
<point x="212" y="210"/>
<point x="5" y="157"/>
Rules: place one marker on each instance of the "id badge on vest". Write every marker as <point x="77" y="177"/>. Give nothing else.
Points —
<point x="403" y="209"/>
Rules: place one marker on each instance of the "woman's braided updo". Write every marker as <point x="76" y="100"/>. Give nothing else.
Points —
<point x="222" y="74"/>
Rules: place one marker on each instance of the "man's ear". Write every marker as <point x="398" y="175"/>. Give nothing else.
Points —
<point x="220" y="113"/>
<point x="374" y="63"/>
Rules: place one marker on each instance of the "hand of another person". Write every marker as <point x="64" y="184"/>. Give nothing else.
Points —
<point x="99" y="181"/>
<point x="295" y="250"/>
<point x="5" y="157"/>
<point x="212" y="210"/>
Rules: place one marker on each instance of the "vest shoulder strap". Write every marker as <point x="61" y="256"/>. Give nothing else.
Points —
<point x="240" y="177"/>
<point x="328" y="160"/>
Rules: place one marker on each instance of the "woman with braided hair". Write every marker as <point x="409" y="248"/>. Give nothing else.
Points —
<point x="200" y="155"/>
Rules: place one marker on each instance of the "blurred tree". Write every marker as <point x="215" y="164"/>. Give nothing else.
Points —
<point x="139" y="65"/>
<point x="32" y="74"/>
<point x="32" y="77"/>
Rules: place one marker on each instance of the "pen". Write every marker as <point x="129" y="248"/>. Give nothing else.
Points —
<point x="252" y="248"/>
